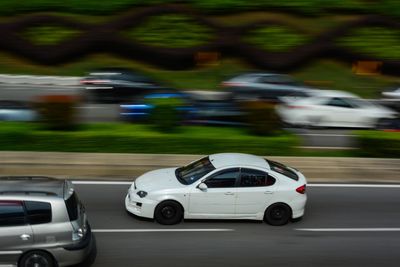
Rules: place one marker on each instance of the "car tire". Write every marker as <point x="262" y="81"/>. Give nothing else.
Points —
<point x="278" y="214"/>
<point x="37" y="258"/>
<point x="168" y="212"/>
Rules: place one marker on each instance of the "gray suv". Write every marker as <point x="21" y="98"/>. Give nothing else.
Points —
<point x="42" y="223"/>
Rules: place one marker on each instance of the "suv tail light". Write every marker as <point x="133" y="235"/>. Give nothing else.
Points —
<point x="301" y="189"/>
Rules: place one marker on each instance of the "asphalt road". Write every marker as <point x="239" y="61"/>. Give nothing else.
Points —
<point x="308" y="242"/>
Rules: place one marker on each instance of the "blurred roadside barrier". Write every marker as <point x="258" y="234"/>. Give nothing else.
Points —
<point x="39" y="80"/>
<point x="129" y="166"/>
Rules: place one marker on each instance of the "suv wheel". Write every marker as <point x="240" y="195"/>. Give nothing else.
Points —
<point x="168" y="212"/>
<point x="36" y="258"/>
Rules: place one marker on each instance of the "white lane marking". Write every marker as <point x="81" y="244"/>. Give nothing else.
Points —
<point x="309" y="185"/>
<point x="11" y="252"/>
<point x="158" y="230"/>
<point x="349" y="229"/>
<point x="357" y="185"/>
<point x="102" y="182"/>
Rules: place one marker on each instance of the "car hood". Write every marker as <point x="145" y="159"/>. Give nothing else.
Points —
<point x="158" y="180"/>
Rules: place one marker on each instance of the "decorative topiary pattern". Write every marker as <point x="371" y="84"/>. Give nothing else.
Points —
<point x="109" y="37"/>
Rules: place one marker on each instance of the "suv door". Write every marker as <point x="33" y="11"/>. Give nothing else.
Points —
<point x="218" y="201"/>
<point x="254" y="192"/>
<point x="15" y="233"/>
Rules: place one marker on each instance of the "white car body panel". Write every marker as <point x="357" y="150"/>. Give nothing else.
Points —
<point x="314" y="111"/>
<point x="217" y="203"/>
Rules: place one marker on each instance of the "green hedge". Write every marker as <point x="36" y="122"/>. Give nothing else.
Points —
<point x="49" y="35"/>
<point x="378" y="144"/>
<point x="129" y="138"/>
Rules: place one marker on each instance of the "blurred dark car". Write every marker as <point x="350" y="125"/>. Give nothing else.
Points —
<point x="265" y="86"/>
<point x="116" y="84"/>
<point x="195" y="110"/>
<point x="16" y="111"/>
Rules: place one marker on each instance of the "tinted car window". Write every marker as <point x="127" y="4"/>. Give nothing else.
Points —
<point x="338" y="102"/>
<point x="222" y="179"/>
<point x="12" y="213"/>
<point x="38" y="212"/>
<point x="72" y="207"/>
<point x="282" y="169"/>
<point x="252" y="178"/>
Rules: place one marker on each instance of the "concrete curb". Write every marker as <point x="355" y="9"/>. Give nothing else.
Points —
<point x="40" y="80"/>
<point x="106" y="166"/>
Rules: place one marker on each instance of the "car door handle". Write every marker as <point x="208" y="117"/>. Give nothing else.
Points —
<point x="268" y="192"/>
<point x="25" y="237"/>
<point x="229" y="193"/>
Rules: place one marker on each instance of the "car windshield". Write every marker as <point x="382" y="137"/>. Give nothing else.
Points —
<point x="357" y="102"/>
<point x="194" y="171"/>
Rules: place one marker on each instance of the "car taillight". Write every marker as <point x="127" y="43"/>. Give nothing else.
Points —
<point x="231" y="84"/>
<point x="301" y="189"/>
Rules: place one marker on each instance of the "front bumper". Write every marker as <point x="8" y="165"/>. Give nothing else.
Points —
<point x="142" y="207"/>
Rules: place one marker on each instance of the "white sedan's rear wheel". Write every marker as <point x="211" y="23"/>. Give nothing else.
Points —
<point x="278" y="214"/>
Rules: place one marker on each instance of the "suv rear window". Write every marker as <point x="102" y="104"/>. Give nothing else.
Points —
<point x="38" y="212"/>
<point x="282" y="169"/>
<point x="12" y="213"/>
<point x="72" y="207"/>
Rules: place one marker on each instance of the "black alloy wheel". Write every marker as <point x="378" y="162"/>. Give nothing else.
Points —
<point x="36" y="259"/>
<point x="168" y="212"/>
<point x="277" y="214"/>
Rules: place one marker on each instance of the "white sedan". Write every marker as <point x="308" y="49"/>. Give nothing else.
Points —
<point x="220" y="186"/>
<point x="326" y="108"/>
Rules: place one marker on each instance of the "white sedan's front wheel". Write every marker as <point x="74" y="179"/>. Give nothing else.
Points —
<point x="168" y="212"/>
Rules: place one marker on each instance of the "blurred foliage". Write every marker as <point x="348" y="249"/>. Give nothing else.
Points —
<point x="134" y="138"/>
<point x="106" y="7"/>
<point x="378" y="144"/>
<point x="57" y="112"/>
<point x="262" y="118"/>
<point x="172" y="30"/>
<point x="49" y="35"/>
<point x="165" y="115"/>
<point x="276" y="38"/>
<point x="377" y="42"/>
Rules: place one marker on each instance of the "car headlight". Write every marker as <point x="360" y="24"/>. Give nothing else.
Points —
<point x="141" y="194"/>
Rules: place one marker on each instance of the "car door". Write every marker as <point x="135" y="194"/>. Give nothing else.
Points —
<point x="255" y="191"/>
<point x="218" y="200"/>
<point x="338" y="112"/>
<point x="15" y="233"/>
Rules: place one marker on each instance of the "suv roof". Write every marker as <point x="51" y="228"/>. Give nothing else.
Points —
<point x="33" y="185"/>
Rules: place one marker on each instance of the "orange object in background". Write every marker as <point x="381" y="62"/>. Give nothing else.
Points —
<point x="367" y="67"/>
<point x="207" y="58"/>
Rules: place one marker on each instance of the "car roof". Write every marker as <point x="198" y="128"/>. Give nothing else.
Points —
<point x="237" y="159"/>
<point x="32" y="185"/>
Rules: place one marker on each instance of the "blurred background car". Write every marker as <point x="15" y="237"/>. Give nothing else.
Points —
<point x="392" y="93"/>
<point x="327" y="108"/>
<point x="196" y="108"/>
<point x="16" y="111"/>
<point x="266" y="86"/>
<point x="116" y="84"/>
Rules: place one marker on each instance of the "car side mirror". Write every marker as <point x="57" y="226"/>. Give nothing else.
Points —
<point x="202" y="187"/>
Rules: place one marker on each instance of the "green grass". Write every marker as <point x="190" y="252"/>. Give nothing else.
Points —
<point x="129" y="138"/>
<point x="174" y="31"/>
<point x="276" y="38"/>
<point x="49" y="35"/>
<point x="378" y="144"/>
<point x="377" y="42"/>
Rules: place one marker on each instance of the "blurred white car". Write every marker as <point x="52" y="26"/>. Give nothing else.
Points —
<point x="327" y="108"/>
<point x="394" y="93"/>
<point x="16" y="111"/>
<point x="220" y="186"/>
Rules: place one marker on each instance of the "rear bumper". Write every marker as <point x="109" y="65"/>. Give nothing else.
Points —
<point x="74" y="254"/>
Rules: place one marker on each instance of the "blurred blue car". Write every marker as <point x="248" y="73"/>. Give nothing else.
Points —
<point x="195" y="110"/>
